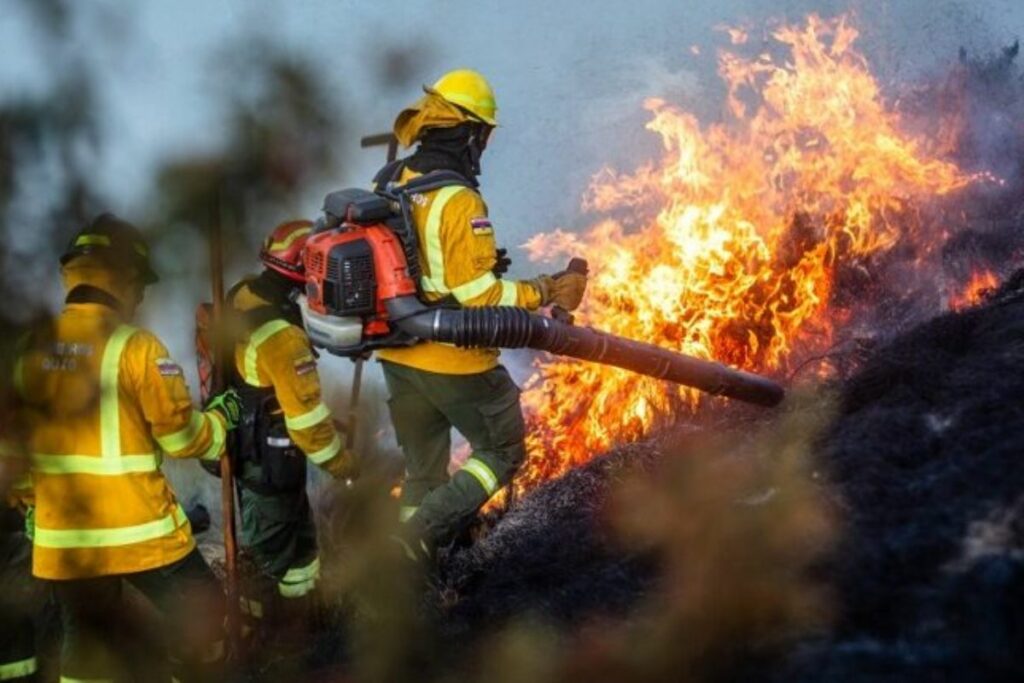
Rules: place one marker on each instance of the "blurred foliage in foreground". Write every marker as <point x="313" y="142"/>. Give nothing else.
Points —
<point x="733" y="525"/>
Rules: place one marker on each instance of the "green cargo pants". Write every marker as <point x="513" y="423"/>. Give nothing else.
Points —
<point x="485" y="409"/>
<point x="21" y="602"/>
<point x="279" y="532"/>
<point x="108" y="637"/>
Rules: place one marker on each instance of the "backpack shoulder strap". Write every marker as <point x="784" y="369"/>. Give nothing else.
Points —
<point x="385" y="184"/>
<point x="389" y="174"/>
<point x="386" y="180"/>
<point x="434" y="180"/>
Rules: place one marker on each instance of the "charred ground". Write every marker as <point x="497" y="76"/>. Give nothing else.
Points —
<point x="926" y="456"/>
<point x="922" y="461"/>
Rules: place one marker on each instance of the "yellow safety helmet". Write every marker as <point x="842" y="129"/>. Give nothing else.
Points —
<point x="109" y="254"/>
<point x="115" y="242"/>
<point x="469" y="90"/>
<point x="455" y="98"/>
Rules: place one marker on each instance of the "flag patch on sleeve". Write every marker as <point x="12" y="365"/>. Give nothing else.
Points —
<point x="168" y="368"/>
<point x="304" y="366"/>
<point x="481" y="226"/>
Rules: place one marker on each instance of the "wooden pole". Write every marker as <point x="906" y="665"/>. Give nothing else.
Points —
<point x="227" y="475"/>
<point x="353" y="404"/>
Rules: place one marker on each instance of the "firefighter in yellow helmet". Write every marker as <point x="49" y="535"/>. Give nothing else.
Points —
<point x="285" y="423"/>
<point x="102" y="403"/>
<point x="435" y="386"/>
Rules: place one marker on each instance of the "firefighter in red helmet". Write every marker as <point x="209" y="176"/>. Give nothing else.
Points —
<point x="284" y="424"/>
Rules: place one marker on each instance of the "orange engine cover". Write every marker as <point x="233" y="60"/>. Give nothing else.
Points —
<point x="353" y="270"/>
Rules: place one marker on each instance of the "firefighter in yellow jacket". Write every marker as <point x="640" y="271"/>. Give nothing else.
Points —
<point x="102" y="403"/>
<point x="435" y="386"/>
<point x="284" y="423"/>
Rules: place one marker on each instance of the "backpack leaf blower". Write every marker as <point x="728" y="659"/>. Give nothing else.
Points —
<point x="362" y="267"/>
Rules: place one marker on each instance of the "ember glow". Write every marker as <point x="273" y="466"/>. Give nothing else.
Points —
<point x="727" y="246"/>
<point x="981" y="282"/>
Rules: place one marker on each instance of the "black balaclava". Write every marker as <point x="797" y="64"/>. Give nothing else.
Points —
<point x="457" y="148"/>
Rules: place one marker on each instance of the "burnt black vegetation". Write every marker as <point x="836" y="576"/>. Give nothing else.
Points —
<point x="924" y="459"/>
<point x="551" y="554"/>
<point x="926" y="456"/>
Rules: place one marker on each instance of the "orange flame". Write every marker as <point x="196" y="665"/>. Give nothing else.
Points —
<point x="981" y="283"/>
<point x="727" y="246"/>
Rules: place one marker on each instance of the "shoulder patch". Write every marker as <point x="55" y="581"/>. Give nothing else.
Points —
<point x="168" y="368"/>
<point x="306" y="365"/>
<point x="481" y="225"/>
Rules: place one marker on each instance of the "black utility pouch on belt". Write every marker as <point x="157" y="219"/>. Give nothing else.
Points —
<point x="267" y="447"/>
<point x="283" y="464"/>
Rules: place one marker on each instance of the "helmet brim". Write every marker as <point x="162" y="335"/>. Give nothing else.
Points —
<point x="491" y="121"/>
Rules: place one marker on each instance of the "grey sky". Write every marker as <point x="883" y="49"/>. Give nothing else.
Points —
<point x="570" y="75"/>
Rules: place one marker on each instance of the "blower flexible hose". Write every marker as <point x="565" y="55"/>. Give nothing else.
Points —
<point x="510" y="327"/>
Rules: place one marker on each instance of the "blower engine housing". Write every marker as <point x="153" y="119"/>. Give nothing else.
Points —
<point x="350" y="272"/>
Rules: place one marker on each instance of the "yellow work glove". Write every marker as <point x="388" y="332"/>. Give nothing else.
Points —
<point x="564" y="289"/>
<point x="345" y="466"/>
<point x="567" y="290"/>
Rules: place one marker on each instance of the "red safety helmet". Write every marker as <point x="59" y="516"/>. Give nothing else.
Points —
<point x="282" y="250"/>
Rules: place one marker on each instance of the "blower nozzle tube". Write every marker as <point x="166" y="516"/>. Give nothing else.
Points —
<point x="510" y="327"/>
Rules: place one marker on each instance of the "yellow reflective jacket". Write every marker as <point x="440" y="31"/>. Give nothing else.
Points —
<point x="278" y="354"/>
<point x="457" y="255"/>
<point x="102" y="402"/>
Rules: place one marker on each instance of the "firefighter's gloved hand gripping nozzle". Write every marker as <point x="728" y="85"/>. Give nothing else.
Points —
<point x="361" y="273"/>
